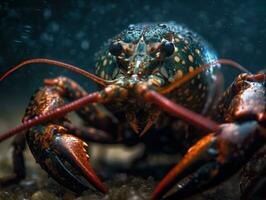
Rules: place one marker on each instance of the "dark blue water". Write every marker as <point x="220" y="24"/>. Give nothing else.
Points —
<point x="73" y="31"/>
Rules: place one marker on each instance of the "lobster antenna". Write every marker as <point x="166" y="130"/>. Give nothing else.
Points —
<point x="200" y="69"/>
<point x="58" y="64"/>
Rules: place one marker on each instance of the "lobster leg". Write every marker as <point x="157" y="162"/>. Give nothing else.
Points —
<point x="95" y="114"/>
<point x="19" y="170"/>
<point x="90" y="134"/>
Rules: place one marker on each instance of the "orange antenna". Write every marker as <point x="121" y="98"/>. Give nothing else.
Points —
<point x="200" y="69"/>
<point x="58" y="64"/>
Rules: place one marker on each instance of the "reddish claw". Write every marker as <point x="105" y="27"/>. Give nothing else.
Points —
<point x="72" y="150"/>
<point x="211" y="160"/>
<point x="219" y="155"/>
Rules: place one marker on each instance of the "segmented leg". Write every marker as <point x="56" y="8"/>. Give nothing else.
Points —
<point x="19" y="171"/>
<point x="96" y="117"/>
<point x="90" y="134"/>
<point x="93" y="114"/>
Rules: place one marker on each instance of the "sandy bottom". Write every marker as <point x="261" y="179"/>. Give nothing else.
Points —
<point x="121" y="186"/>
<point x="37" y="186"/>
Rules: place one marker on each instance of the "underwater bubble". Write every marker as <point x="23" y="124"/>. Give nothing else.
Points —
<point x="27" y="28"/>
<point x="17" y="41"/>
<point x="47" y="37"/>
<point x="85" y="44"/>
<point x="54" y="26"/>
<point x="47" y="13"/>
<point x="80" y="34"/>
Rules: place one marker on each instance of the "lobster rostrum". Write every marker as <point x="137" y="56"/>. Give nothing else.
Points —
<point x="148" y="72"/>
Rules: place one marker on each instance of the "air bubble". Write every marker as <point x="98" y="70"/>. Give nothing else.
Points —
<point x="85" y="44"/>
<point x="47" y="13"/>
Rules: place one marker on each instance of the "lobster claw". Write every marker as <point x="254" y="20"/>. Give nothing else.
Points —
<point x="211" y="160"/>
<point x="67" y="161"/>
<point x="72" y="150"/>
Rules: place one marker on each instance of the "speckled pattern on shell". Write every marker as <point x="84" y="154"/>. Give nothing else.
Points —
<point x="191" y="51"/>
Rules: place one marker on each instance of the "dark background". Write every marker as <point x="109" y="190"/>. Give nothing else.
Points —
<point x="73" y="31"/>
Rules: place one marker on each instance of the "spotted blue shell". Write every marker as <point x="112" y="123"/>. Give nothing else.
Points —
<point x="190" y="51"/>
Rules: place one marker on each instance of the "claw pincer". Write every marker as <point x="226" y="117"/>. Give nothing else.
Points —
<point x="219" y="155"/>
<point x="62" y="155"/>
<point x="211" y="160"/>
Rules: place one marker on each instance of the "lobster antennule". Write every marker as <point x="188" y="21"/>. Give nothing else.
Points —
<point x="58" y="64"/>
<point x="59" y="112"/>
<point x="200" y="69"/>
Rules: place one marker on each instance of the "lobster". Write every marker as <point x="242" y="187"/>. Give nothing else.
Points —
<point x="152" y="77"/>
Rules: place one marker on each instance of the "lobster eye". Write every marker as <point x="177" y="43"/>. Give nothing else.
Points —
<point x="167" y="48"/>
<point x="115" y="48"/>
